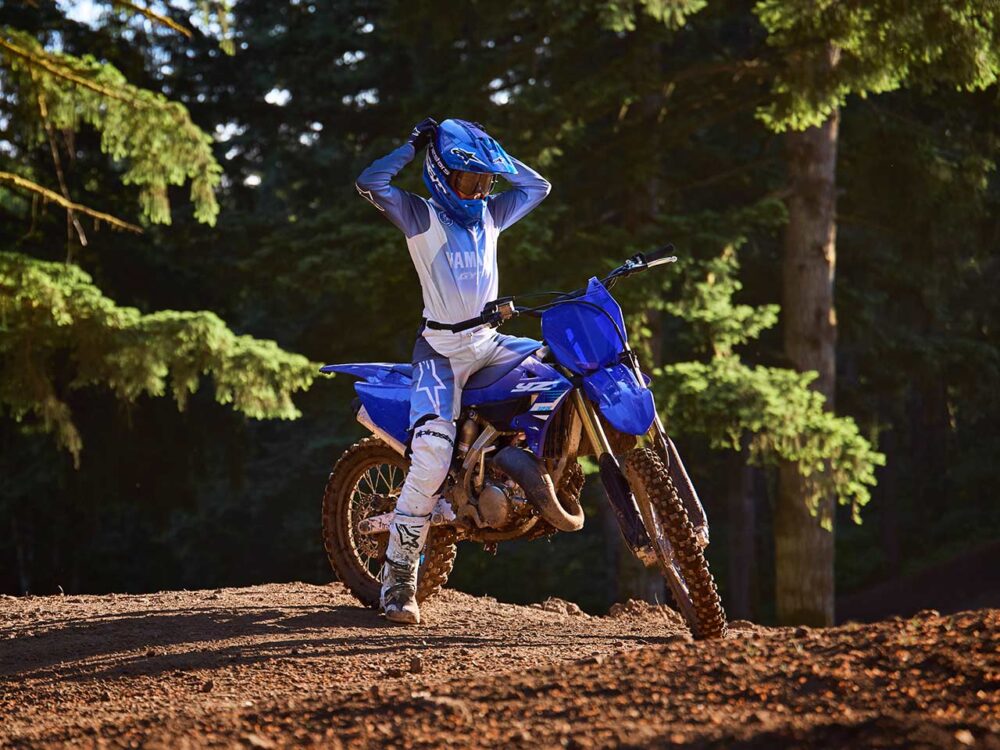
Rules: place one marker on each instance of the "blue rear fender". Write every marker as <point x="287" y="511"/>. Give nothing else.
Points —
<point x="384" y="390"/>
<point x="373" y="371"/>
<point x="626" y="403"/>
<point x="388" y="405"/>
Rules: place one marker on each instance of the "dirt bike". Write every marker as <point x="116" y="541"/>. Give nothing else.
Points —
<point x="515" y="472"/>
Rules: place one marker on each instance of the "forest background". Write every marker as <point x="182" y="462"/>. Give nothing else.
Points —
<point x="654" y="121"/>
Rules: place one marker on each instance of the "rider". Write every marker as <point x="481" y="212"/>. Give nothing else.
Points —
<point x="452" y="240"/>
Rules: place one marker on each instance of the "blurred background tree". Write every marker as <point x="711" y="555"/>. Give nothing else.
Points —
<point x="645" y="118"/>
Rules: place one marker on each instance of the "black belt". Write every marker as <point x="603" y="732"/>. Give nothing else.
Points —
<point x="494" y="313"/>
<point x="434" y="325"/>
<point x="453" y="327"/>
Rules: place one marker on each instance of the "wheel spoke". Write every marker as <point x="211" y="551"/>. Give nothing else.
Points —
<point x="374" y="483"/>
<point x="366" y="477"/>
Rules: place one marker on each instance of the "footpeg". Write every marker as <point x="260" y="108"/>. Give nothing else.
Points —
<point x="441" y="515"/>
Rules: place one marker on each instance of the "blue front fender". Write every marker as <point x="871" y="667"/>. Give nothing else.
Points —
<point x="626" y="403"/>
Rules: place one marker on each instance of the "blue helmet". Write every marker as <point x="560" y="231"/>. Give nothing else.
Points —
<point x="458" y="147"/>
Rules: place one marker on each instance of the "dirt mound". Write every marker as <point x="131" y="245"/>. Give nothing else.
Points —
<point x="302" y="665"/>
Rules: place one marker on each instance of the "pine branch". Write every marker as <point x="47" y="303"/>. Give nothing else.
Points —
<point x="54" y="150"/>
<point x="24" y="184"/>
<point x="62" y="72"/>
<point x="155" y="137"/>
<point x="154" y="17"/>
<point x="60" y="334"/>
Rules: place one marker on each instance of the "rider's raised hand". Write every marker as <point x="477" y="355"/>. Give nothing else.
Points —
<point x="422" y="133"/>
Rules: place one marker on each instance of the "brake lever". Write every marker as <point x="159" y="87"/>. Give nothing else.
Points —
<point x="639" y="262"/>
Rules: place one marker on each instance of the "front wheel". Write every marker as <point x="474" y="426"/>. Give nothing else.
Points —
<point x="675" y="542"/>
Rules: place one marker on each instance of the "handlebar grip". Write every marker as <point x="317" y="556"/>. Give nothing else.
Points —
<point x="655" y="255"/>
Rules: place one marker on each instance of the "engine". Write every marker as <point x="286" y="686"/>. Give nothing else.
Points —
<point x="483" y="497"/>
<point x="495" y="505"/>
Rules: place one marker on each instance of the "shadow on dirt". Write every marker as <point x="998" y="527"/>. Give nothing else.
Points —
<point x="76" y="644"/>
<point x="144" y="643"/>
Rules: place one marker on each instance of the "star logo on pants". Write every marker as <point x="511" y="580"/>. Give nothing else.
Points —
<point x="409" y="538"/>
<point x="432" y="390"/>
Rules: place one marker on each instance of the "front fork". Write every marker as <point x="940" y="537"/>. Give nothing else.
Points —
<point x="622" y="500"/>
<point x="675" y="467"/>
<point x="685" y="487"/>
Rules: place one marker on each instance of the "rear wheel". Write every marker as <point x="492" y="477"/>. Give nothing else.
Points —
<point x="675" y="542"/>
<point x="366" y="482"/>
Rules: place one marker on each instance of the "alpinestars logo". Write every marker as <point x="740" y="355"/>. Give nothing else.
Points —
<point x="409" y="538"/>
<point x="367" y="195"/>
<point x="432" y="433"/>
<point x="467" y="156"/>
<point x="436" y="180"/>
<point x="429" y="387"/>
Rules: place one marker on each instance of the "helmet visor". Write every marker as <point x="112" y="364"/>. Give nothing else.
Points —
<point x="471" y="185"/>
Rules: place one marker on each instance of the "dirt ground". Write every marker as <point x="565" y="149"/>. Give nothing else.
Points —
<point x="301" y="665"/>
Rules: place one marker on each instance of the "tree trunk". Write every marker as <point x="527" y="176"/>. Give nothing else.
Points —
<point x="22" y="555"/>
<point x="888" y="503"/>
<point x="742" y="525"/>
<point x="803" y="549"/>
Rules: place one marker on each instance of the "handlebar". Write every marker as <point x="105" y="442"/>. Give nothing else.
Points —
<point x="499" y="311"/>
<point x="643" y="261"/>
<point x="659" y="256"/>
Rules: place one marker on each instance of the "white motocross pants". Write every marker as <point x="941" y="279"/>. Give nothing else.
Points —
<point x="442" y="364"/>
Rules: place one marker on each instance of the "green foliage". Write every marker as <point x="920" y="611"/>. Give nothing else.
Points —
<point x="718" y="322"/>
<point x="152" y="135"/>
<point x="833" y="49"/>
<point x="58" y="333"/>
<point x="621" y="15"/>
<point x="787" y="421"/>
<point x="724" y="398"/>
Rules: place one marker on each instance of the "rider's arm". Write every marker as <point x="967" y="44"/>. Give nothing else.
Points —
<point x="528" y="189"/>
<point x="406" y="210"/>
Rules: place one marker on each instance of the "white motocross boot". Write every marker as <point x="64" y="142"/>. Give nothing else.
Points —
<point x="407" y="535"/>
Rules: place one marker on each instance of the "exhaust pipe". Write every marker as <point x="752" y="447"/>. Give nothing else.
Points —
<point x="536" y="482"/>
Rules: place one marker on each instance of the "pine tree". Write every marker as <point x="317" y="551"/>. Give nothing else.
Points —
<point x="58" y="332"/>
<point x="820" y="53"/>
<point x="827" y="52"/>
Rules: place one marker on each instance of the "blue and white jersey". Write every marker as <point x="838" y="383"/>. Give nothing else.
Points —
<point x="456" y="264"/>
